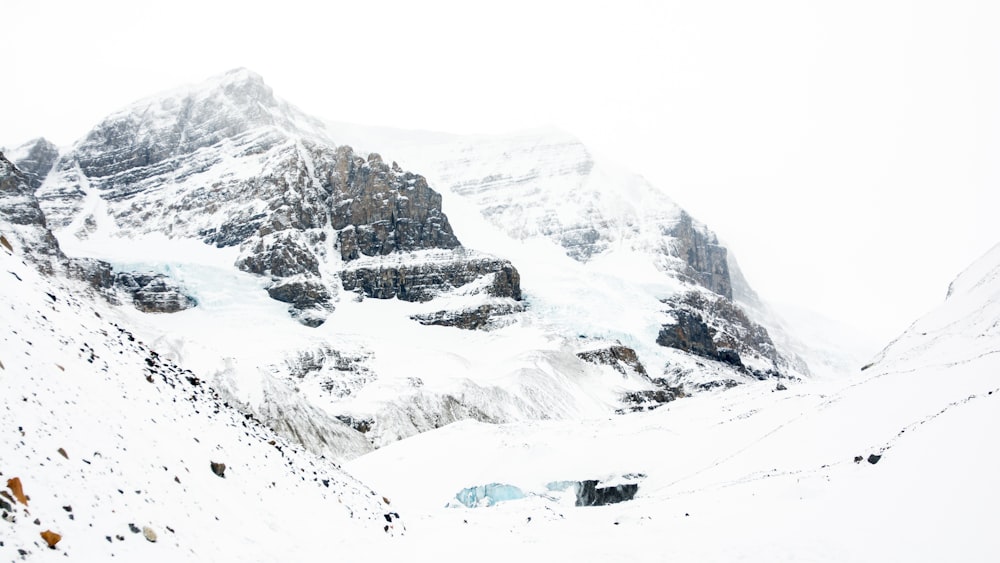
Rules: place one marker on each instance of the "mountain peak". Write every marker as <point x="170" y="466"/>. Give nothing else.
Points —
<point x="179" y="122"/>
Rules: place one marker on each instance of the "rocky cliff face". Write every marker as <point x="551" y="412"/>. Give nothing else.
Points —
<point x="547" y="185"/>
<point x="35" y="158"/>
<point x="154" y="293"/>
<point x="25" y="223"/>
<point x="325" y="227"/>
<point x="231" y="164"/>
<point x="704" y="260"/>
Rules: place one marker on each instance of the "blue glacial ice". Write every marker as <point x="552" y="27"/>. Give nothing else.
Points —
<point x="488" y="495"/>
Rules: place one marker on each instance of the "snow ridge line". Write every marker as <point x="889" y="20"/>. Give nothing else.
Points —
<point x="761" y="475"/>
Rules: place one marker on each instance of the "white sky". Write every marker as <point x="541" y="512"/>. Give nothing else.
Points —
<point x="846" y="151"/>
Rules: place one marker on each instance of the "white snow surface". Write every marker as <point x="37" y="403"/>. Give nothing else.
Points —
<point x="139" y="438"/>
<point x="749" y="474"/>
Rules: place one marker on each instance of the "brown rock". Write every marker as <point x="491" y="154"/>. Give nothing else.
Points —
<point x="149" y="534"/>
<point x="14" y="484"/>
<point x="63" y="453"/>
<point x="51" y="538"/>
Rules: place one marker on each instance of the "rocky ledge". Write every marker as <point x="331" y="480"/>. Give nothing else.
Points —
<point x="622" y="358"/>
<point x="153" y="293"/>
<point x="423" y="276"/>
<point x="483" y="317"/>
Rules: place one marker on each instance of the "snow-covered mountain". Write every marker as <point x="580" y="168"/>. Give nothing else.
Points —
<point x="213" y="277"/>
<point x="583" y="290"/>
<point x="895" y="463"/>
<point x="123" y="453"/>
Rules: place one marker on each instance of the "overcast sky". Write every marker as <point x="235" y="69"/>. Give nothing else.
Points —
<point x="846" y="151"/>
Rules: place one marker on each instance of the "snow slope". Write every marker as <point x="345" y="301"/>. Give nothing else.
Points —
<point x="108" y="437"/>
<point x="896" y="463"/>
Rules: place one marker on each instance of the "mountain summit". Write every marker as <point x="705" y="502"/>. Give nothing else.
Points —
<point x="589" y="291"/>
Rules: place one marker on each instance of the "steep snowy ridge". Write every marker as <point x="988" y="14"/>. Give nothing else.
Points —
<point x="965" y="329"/>
<point x="108" y="438"/>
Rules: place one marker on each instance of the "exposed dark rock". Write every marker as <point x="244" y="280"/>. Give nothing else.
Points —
<point x="483" y="317"/>
<point x="780" y="387"/>
<point x="309" y="299"/>
<point x="589" y="494"/>
<point x="424" y="281"/>
<point x="622" y="358"/>
<point x="154" y="293"/>
<point x="859" y="458"/>
<point x="729" y="356"/>
<point x="38" y="161"/>
<point x="283" y="254"/>
<point x="731" y="326"/>
<point x="726" y="383"/>
<point x="689" y="333"/>
<point x="217" y="468"/>
<point x="874" y="458"/>
<point x="97" y="273"/>
<point x="380" y="210"/>
<point x="638" y="401"/>
<point x="705" y="258"/>
<point x="18" y="207"/>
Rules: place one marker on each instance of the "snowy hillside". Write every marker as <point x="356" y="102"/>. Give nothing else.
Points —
<point x="113" y="446"/>
<point x="530" y="353"/>
<point x="896" y="464"/>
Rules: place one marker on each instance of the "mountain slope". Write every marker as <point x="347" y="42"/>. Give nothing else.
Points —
<point x="107" y="438"/>
<point x="894" y="463"/>
<point x="598" y="295"/>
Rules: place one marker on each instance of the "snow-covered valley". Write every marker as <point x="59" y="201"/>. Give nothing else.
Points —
<point x="393" y="365"/>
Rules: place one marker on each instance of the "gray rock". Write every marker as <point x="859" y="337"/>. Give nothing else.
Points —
<point x="40" y="156"/>
<point x="483" y="317"/>
<point x="622" y="358"/>
<point x="689" y="333"/>
<point x="28" y="233"/>
<point x="308" y="297"/>
<point x="424" y="281"/>
<point x="705" y="258"/>
<point x="153" y="293"/>
<point x="219" y="469"/>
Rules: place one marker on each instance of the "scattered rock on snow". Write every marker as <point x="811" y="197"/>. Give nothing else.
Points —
<point x="874" y="458"/>
<point x="219" y="469"/>
<point x="51" y="538"/>
<point x="63" y="453"/>
<point x="14" y="484"/>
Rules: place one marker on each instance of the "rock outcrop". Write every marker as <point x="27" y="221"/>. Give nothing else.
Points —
<point x="36" y="158"/>
<point x="22" y="217"/>
<point x="153" y="293"/>
<point x="231" y="164"/>
<point x="483" y="317"/>
<point x="422" y="280"/>
<point x="622" y="358"/>
<point x="704" y="259"/>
